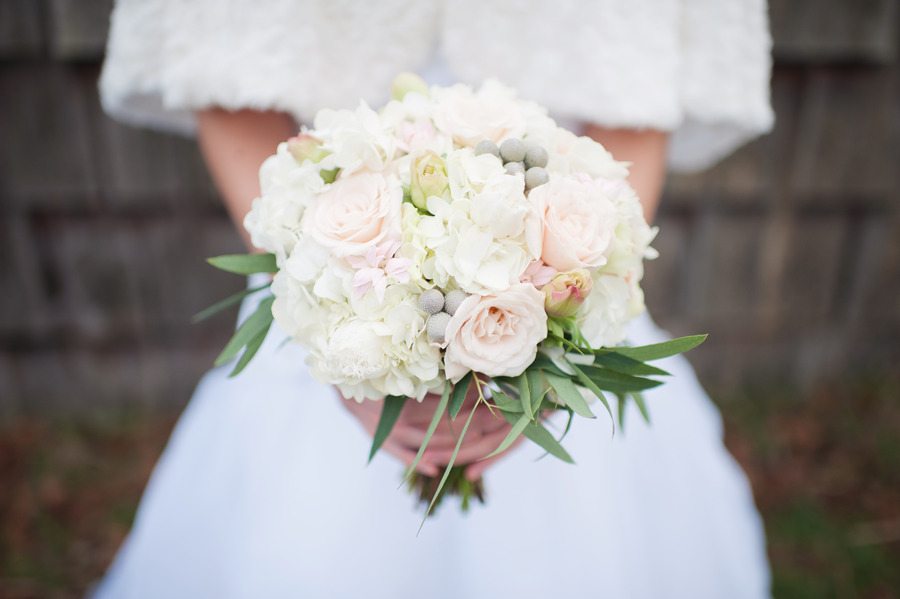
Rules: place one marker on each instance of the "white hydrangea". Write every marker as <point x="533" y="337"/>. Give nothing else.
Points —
<point x="356" y="139"/>
<point x="354" y="254"/>
<point x="287" y="189"/>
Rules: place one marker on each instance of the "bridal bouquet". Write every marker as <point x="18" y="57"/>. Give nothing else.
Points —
<point x="456" y="242"/>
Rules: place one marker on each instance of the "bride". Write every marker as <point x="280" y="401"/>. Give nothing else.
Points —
<point x="263" y="490"/>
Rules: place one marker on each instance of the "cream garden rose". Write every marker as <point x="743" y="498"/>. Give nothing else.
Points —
<point x="496" y="335"/>
<point x="469" y="116"/>
<point x="579" y="222"/>
<point x="355" y="213"/>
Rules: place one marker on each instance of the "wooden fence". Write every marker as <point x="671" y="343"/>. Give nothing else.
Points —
<point x="788" y="253"/>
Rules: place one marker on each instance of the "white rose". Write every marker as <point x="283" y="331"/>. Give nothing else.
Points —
<point x="469" y="117"/>
<point x="579" y="222"/>
<point x="496" y="335"/>
<point x="355" y="213"/>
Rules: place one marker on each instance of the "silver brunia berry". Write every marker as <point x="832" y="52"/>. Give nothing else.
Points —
<point x="431" y="301"/>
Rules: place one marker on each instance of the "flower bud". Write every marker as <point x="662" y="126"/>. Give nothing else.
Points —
<point x="405" y="83"/>
<point x="565" y="292"/>
<point x="306" y="147"/>
<point x="427" y="177"/>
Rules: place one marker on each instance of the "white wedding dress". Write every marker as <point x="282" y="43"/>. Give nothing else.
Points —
<point x="264" y="491"/>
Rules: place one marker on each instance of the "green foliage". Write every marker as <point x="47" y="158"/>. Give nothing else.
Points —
<point x="449" y="467"/>
<point x="429" y="432"/>
<point x="229" y="301"/>
<point x="657" y="351"/>
<point x="459" y="395"/>
<point x="514" y="434"/>
<point x="245" y="264"/>
<point x="247" y="335"/>
<point x="589" y="384"/>
<point x="536" y="433"/>
<point x="390" y="412"/>
<point x="621" y="363"/>
<point x="569" y="394"/>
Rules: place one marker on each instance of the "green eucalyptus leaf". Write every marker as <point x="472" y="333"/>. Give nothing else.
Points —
<point x="524" y="394"/>
<point x="542" y="362"/>
<point x="616" y="382"/>
<point x="621" y="409"/>
<point x="539" y="388"/>
<point x="459" y="395"/>
<point x="449" y="467"/>
<point x="586" y="382"/>
<point x="226" y="303"/>
<point x="642" y="405"/>
<point x="390" y="412"/>
<point x="513" y="434"/>
<point x="625" y="365"/>
<point x="252" y="347"/>
<point x="657" y="351"/>
<point x="432" y="426"/>
<point x="245" y="264"/>
<point x="250" y="328"/>
<point x="506" y="403"/>
<point x="570" y="395"/>
<point x="536" y="433"/>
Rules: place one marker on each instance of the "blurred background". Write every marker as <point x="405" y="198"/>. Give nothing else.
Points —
<point x="788" y="254"/>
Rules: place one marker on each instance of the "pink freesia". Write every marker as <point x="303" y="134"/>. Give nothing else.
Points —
<point x="538" y="274"/>
<point x="376" y="266"/>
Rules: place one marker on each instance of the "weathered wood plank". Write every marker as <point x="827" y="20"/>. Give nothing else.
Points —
<point x="20" y="29"/>
<point x="78" y="28"/>
<point x="44" y="158"/>
<point x="815" y="31"/>
<point x="847" y="138"/>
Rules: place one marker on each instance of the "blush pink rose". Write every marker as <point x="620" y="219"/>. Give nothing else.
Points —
<point x="579" y="222"/>
<point x="496" y="335"/>
<point x="356" y="213"/>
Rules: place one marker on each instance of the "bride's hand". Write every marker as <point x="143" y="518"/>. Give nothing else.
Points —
<point x="485" y="434"/>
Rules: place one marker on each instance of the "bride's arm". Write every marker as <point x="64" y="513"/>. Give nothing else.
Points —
<point x="646" y="150"/>
<point x="234" y="145"/>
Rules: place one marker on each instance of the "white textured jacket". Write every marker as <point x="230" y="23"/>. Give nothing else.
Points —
<point x="697" y="68"/>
